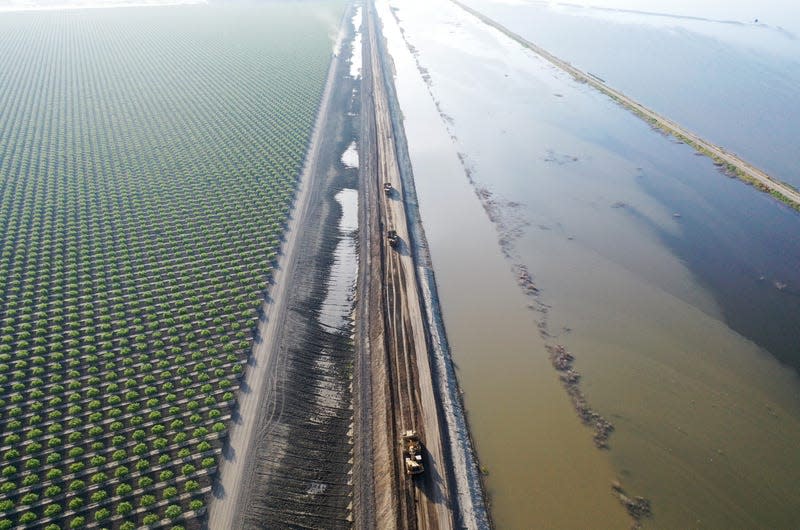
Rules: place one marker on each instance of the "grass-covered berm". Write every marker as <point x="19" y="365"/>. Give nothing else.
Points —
<point x="149" y="159"/>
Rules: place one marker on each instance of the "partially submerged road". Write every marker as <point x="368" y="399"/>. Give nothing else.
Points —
<point x="731" y="163"/>
<point x="401" y="371"/>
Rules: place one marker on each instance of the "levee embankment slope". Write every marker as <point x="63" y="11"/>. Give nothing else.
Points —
<point x="728" y="162"/>
<point x="468" y="490"/>
<point x="401" y="386"/>
<point x="277" y="405"/>
<point x="410" y="367"/>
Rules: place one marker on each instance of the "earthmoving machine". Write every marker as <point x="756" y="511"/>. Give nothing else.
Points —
<point x="412" y="453"/>
<point x="387" y="188"/>
<point x="393" y="238"/>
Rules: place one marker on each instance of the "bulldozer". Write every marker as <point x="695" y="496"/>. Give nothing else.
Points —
<point x="412" y="453"/>
<point x="393" y="238"/>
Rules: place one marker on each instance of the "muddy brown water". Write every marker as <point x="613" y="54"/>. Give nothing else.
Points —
<point x="648" y="263"/>
<point x="563" y="481"/>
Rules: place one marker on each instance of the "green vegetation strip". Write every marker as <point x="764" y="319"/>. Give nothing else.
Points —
<point x="148" y="162"/>
<point x="729" y="163"/>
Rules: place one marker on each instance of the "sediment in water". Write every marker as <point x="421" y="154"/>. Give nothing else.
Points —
<point x="509" y="223"/>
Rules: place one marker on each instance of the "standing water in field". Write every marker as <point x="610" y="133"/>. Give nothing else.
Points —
<point x="674" y="287"/>
<point x="337" y="307"/>
<point x="716" y="71"/>
<point x="493" y="337"/>
<point x="350" y="156"/>
<point x="355" y="57"/>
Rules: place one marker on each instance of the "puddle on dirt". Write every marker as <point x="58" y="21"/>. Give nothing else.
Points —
<point x="355" y="57"/>
<point x="350" y="156"/>
<point x="337" y="307"/>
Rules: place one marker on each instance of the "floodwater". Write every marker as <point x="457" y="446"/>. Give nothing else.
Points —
<point x="355" y="50"/>
<point x="733" y="81"/>
<point x="350" y="156"/>
<point x="555" y="477"/>
<point x="337" y="307"/>
<point x="676" y="288"/>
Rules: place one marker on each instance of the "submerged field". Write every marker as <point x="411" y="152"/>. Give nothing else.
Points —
<point x="674" y="287"/>
<point x="148" y="162"/>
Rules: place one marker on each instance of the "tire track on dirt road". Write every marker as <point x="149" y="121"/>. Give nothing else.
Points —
<point x="414" y="398"/>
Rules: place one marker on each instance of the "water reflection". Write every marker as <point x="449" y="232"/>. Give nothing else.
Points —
<point x="672" y="285"/>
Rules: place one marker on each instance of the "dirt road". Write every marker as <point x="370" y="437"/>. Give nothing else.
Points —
<point x="425" y="501"/>
<point x="729" y="162"/>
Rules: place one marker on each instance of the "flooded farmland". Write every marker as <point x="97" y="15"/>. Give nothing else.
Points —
<point x="675" y="288"/>
<point x="728" y="74"/>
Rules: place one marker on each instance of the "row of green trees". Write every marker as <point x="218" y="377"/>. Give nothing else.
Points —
<point x="147" y="169"/>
